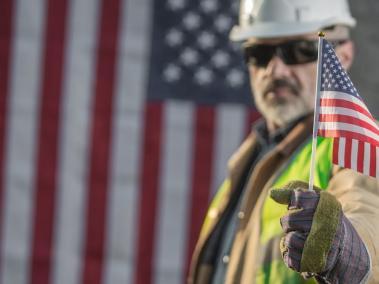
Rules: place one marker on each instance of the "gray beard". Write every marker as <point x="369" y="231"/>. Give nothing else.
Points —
<point x="283" y="114"/>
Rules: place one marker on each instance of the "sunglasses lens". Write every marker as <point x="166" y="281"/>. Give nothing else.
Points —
<point x="293" y="52"/>
<point x="299" y="52"/>
<point x="259" y="55"/>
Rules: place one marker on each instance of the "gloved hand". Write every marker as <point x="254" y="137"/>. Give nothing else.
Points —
<point x="319" y="240"/>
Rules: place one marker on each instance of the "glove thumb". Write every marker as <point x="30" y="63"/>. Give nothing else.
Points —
<point x="283" y="195"/>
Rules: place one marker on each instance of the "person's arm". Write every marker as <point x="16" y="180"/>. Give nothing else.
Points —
<point x="359" y="197"/>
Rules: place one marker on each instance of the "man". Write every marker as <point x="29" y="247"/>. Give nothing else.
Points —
<point x="331" y="234"/>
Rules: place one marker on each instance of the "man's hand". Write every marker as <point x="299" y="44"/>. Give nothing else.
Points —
<point x="319" y="240"/>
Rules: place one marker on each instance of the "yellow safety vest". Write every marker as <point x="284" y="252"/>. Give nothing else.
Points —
<point x="297" y="168"/>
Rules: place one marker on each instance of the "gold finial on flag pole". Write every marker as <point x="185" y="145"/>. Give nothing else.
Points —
<point x="321" y="34"/>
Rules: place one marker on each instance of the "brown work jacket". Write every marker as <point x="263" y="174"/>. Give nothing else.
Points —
<point x="358" y="194"/>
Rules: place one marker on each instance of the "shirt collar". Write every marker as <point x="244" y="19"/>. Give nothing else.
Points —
<point x="266" y="138"/>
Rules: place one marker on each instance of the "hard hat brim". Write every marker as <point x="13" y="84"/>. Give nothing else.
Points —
<point x="275" y="29"/>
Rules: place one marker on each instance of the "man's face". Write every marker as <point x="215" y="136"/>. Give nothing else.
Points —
<point x="283" y="92"/>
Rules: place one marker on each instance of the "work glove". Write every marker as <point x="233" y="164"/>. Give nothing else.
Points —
<point x="319" y="240"/>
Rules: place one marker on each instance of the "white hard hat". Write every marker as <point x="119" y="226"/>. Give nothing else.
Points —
<point x="277" y="18"/>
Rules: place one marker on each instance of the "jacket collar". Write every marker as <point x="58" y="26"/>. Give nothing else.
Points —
<point x="293" y="136"/>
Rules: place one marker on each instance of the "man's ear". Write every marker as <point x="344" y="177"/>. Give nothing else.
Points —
<point x="345" y="53"/>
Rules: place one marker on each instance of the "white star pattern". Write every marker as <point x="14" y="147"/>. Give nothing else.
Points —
<point x="175" y="5"/>
<point x="235" y="46"/>
<point x="203" y="76"/>
<point x="334" y="78"/>
<point x="174" y="37"/>
<point x="191" y="21"/>
<point x="235" y="78"/>
<point x="189" y="57"/>
<point x="235" y="7"/>
<point x="220" y="59"/>
<point x="172" y="73"/>
<point x="196" y="43"/>
<point x="223" y="23"/>
<point x="208" y="6"/>
<point x="206" y="40"/>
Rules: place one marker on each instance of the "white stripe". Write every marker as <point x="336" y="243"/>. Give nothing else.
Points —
<point x="341" y="151"/>
<point x="175" y="191"/>
<point x="354" y="154"/>
<point x="20" y="160"/>
<point x="377" y="161"/>
<point x="128" y="130"/>
<point x="75" y="132"/>
<point x="348" y="112"/>
<point x="230" y="126"/>
<point x="366" y="159"/>
<point x="343" y="96"/>
<point x="348" y="127"/>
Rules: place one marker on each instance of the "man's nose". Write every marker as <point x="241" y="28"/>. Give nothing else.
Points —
<point x="277" y="68"/>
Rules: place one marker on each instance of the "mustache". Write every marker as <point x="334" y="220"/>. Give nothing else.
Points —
<point x="272" y="85"/>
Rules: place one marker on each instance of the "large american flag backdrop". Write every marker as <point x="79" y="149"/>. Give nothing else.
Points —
<point x="117" y="118"/>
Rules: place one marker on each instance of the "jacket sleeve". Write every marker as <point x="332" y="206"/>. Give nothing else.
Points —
<point x="359" y="196"/>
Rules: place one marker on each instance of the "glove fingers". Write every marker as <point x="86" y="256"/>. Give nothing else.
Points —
<point x="295" y="241"/>
<point x="292" y="247"/>
<point x="297" y="220"/>
<point x="292" y="260"/>
<point x="304" y="199"/>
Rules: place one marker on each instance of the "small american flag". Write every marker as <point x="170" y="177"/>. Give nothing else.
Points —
<point x="344" y="116"/>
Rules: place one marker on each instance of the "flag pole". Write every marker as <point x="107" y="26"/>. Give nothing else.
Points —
<point x="316" y="111"/>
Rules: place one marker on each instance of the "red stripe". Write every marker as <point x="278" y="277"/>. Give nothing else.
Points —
<point x="373" y="153"/>
<point x="201" y="173"/>
<point x="347" y="159"/>
<point x="360" y="156"/>
<point x="348" y="119"/>
<point x="100" y="142"/>
<point x="6" y="12"/>
<point x="347" y="134"/>
<point x="252" y="116"/>
<point x="336" y="145"/>
<point x="345" y="104"/>
<point x="47" y="153"/>
<point x="149" y="193"/>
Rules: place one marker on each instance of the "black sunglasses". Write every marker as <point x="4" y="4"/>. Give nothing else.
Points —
<point x="291" y="52"/>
